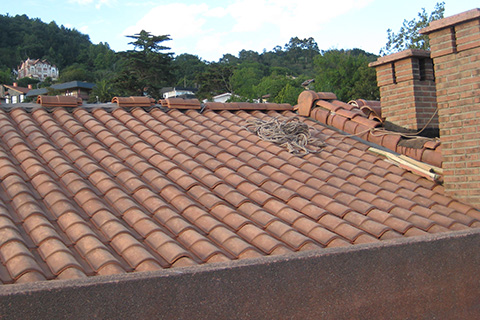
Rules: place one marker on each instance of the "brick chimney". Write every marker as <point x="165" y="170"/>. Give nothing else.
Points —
<point x="407" y="91"/>
<point x="15" y="84"/>
<point x="30" y="86"/>
<point x="455" y="49"/>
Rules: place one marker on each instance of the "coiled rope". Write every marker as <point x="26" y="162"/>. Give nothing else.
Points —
<point x="291" y="133"/>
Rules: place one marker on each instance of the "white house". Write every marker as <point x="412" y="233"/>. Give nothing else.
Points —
<point x="224" y="97"/>
<point x="178" y="92"/>
<point x="37" y="69"/>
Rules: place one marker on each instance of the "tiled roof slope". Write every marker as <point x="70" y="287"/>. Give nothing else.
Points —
<point x="87" y="192"/>
<point x="364" y="119"/>
<point x="17" y="88"/>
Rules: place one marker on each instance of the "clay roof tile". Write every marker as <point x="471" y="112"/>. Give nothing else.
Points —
<point x="132" y="190"/>
<point x="59" y="101"/>
<point x="135" y="101"/>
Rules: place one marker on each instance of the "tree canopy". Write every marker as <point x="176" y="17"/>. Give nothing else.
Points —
<point x="22" y="38"/>
<point x="70" y="50"/>
<point x="215" y="80"/>
<point x="408" y="37"/>
<point x="146" y="69"/>
<point x="277" y="74"/>
<point x="346" y="73"/>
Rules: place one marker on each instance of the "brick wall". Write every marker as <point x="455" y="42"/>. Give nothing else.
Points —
<point x="407" y="89"/>
<point x="455" y="49"/>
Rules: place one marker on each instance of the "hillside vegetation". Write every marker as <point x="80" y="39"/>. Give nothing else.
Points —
<point x="149" y="65"/>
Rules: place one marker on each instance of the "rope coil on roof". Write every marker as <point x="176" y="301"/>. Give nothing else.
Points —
<point x="290" y="133"/>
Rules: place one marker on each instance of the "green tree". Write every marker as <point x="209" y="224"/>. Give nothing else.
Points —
<point x="271" y="85"/>
<point x="245" y="77"/>
<point x="6" y="76"/>
<point x="229" y="59"/>
<point x="340" y="71"/>
<point x="76" y="72"/>
<point x="300" y="54"/>
<point x="146" y="68"/>
<point x="288" y="94"/>
<point x="46" y="83"/>
<point x="248" y="56"/>
<point x="275" y="58"/>
<point x="215" y="80"/>
<point x="101" y="57"/>
<point x="102" y="92"/>
<point x="24" y="82"/>
<point x="408" y="36"/>
<point x="280" y="87"/>
<point x="186" y="67"/>
<point x="364" y="84"/>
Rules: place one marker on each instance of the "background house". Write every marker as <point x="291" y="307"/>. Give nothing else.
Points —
<point x="224" y="97"/>
<point x="77" y="89"/>
<point x="37" y="69"/>
<point x="13" y="93"/>
<point x="178" y="92"/>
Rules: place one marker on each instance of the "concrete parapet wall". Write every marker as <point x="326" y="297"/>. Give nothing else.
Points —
<point x="418" y="278"/>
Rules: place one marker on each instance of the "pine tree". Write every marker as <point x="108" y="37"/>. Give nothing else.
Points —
<point x="146" y="68"/>
<point x="408" y="37"/>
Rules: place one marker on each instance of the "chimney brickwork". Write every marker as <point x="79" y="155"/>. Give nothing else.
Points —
<point x="407" y="89"/>
<point x="455" y="49"/>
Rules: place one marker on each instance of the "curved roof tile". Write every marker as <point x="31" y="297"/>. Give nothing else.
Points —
<point x="363" y="119"/>
<point x="141" y="101"/>
<point x="59" y="101"/>
<point x="93" y="192"/>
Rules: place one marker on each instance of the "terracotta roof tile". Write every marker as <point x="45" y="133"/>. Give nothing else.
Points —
<point x="246" y="106"/>
<point x="179" y="103"/>
<point x="133" y="101"/>
<point x="59" y="101"/>
<point x="92" y="192"/>
<point x="363" y="119"/>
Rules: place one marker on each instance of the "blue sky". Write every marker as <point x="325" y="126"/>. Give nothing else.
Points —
<point x="212" y="28"/>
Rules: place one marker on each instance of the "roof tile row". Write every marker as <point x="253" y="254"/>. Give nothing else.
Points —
<point x="363" y="119"/>
<point x="88" y="192"/>
<point x="59" y="101"/>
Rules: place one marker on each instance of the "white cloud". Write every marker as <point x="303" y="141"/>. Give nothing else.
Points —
<point x="177" y="19"/>
<point x="217" y="44"/>
<point x="292" y="18"/>
<point x="103" y="2"/>
<point x="98" y="3"/>
<point x="217" y="12"/>
<point x="210" y="31"/>
<point x="83" y="29"/>
<point x="81" y="2"/>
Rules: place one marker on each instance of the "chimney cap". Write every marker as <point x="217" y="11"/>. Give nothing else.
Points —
<point x="451" y="21"/>
<point x="409" y="53"/>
